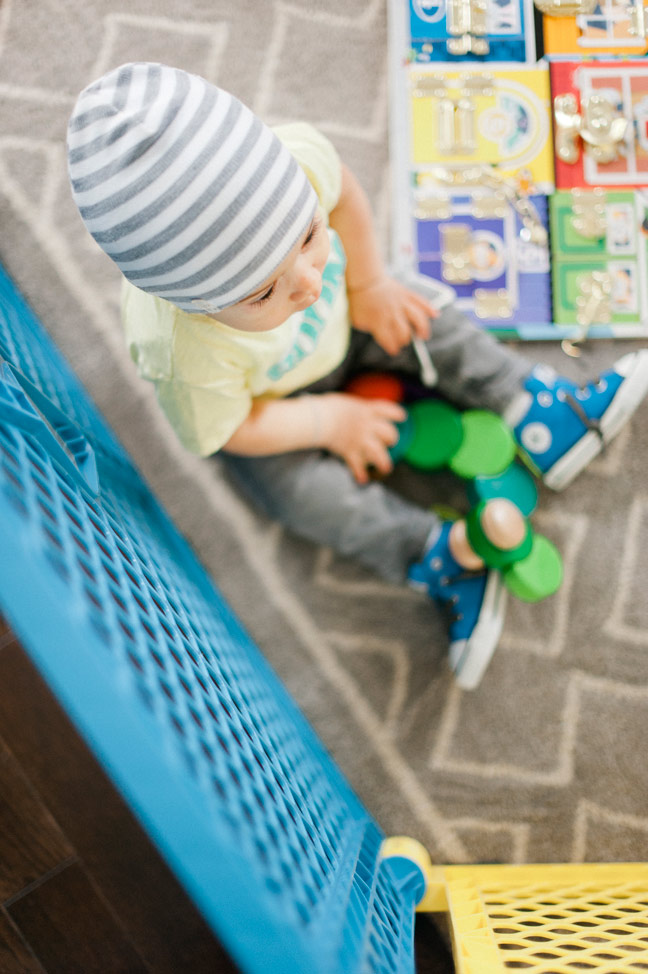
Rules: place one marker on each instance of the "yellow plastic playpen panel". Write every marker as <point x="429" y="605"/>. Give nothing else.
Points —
<point x="549" y="919"/>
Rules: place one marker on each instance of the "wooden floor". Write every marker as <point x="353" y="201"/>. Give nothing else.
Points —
<point x="82" y="889"/>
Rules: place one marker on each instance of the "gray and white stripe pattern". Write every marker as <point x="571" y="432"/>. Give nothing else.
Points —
<point x="188" y="192"/>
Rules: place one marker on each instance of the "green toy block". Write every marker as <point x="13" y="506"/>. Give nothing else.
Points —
<point x="487" y="447"/>
<point x="406" y="431"/>
<point x="438" y="434"/>
<point x="494" y="555"/>
<point x="515" y="484"/>
<point x="538" y="575"/>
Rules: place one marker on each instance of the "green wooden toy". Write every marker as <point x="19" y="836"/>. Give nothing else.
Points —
<point x="538" y="575"/>
<point x="515" y="483"/>
<point x="473" y="443"/>
<point x="479" y="447"/>
<point x="438" y="434"/>
<point x="487" y="446"/>
<point x="498" y="532"/>
<point x="406" y="433"/>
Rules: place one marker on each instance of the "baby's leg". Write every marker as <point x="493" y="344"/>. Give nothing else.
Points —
<point x="475" y="369"/>
<point x="315" y="495"/>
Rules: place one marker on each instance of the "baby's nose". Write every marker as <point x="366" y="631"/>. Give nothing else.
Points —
<point x="306" y="281"/>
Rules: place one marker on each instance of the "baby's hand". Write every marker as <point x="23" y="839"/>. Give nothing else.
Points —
<point x="391" y="313"/>
<point x="360" y="431"/>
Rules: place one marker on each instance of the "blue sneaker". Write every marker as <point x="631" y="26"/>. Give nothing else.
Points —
<point x="476" y="601"/>
<point x="564" y="426"/>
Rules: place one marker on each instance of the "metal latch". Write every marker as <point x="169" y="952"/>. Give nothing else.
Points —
<point x="594" y="301"/>
<point x="601" y="127"/>
<point x="467" y="22"/>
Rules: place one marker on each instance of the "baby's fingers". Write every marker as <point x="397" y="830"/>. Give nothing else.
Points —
<point x="378" y="456"/>
<point x="419" y="317"/>
<point x="387" y="432"/>
<point x="358" y="467"/>
<point x="398" y="334"/>
<point x="386" y="409"/>
<point x="423" y="304"/>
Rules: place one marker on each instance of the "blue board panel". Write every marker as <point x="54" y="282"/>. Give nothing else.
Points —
<point x="429" y="33"/>
<point x="500" y="260"/>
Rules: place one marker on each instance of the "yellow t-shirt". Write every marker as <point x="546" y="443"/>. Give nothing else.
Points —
<point x="205" y="373"/>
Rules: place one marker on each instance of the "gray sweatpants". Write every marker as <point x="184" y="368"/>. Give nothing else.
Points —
<point x="315" y="495"/>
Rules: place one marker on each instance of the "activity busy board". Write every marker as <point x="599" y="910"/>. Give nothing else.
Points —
<point x="522" y="182"/>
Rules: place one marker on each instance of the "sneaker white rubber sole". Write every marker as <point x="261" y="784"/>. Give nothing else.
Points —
<point x="633" y="390"/>
<point x="469" y="658"/>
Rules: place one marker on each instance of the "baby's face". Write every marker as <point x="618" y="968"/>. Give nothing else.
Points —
<point x="294" y="286"/>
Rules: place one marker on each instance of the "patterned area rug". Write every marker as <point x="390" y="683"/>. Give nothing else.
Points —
<point x="547" y="759"/>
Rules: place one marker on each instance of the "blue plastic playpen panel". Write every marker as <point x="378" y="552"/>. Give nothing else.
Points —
<point x="169" y="691"/>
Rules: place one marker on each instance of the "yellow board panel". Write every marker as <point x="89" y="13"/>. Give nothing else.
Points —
<point x="506" y="109"/>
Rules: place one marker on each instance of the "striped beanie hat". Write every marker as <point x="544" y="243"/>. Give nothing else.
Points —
<point x="188" y="192"/>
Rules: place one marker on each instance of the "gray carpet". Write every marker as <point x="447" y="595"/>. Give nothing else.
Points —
<point x="547" y="759"/>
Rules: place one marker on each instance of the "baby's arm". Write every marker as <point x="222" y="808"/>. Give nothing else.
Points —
<point x="377" y="303"/>
<point x="358" y="430"/>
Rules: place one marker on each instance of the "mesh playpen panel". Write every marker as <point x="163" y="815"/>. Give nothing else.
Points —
<point x="170" y="692"/>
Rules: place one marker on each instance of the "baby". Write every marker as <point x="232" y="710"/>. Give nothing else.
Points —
<point x="254" y="289"/>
